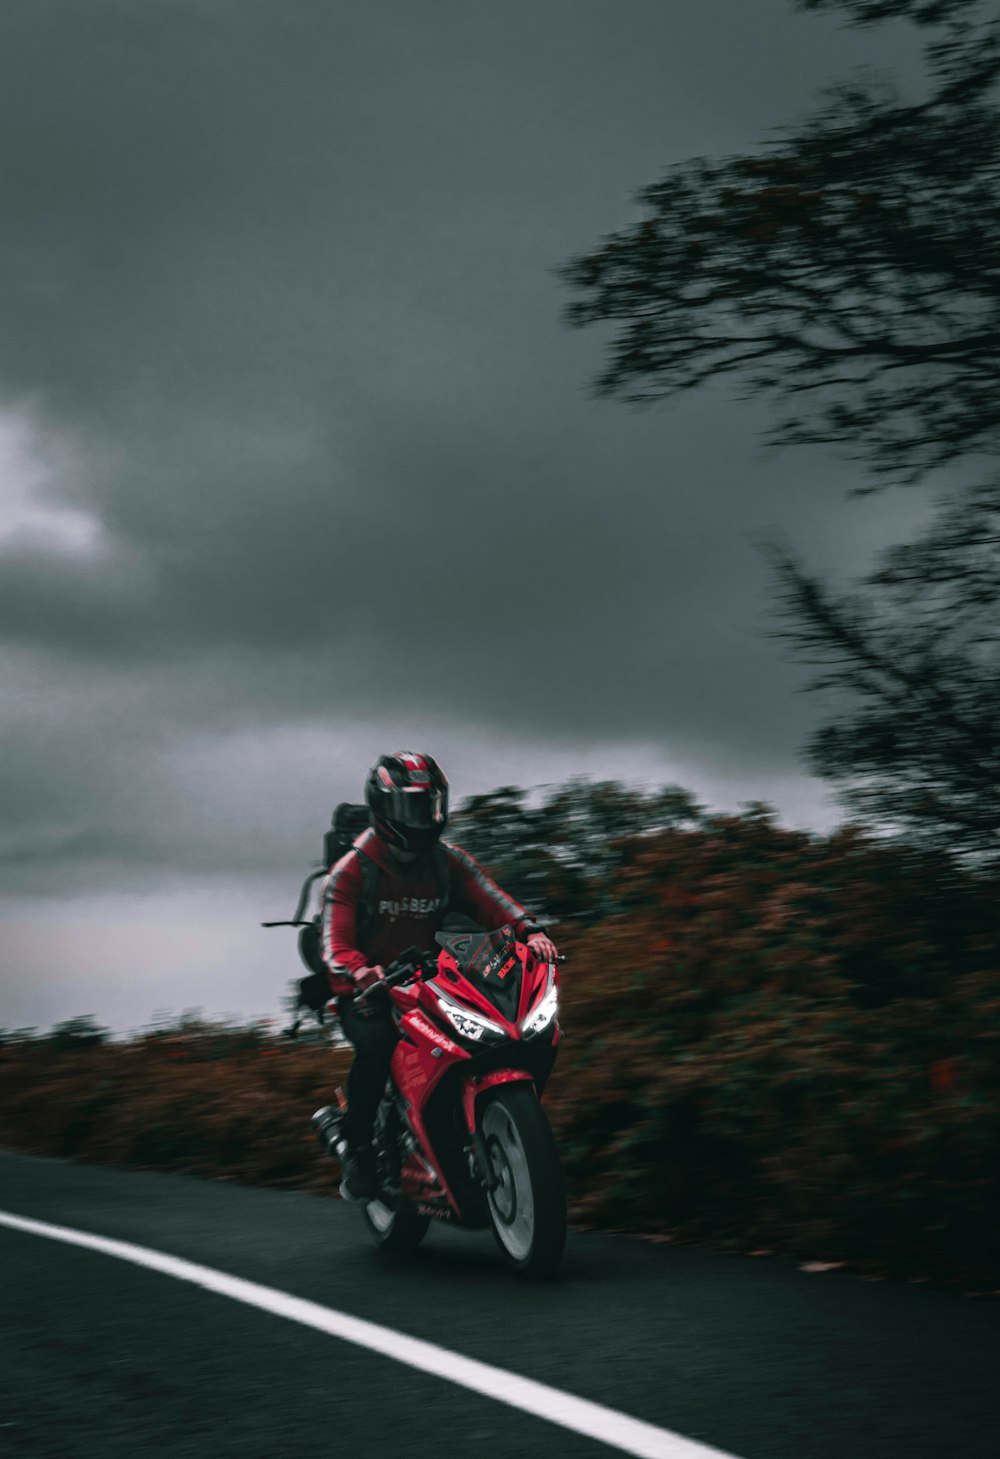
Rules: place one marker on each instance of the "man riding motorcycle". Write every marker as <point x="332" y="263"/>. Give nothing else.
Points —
<point x="374" y="913"/>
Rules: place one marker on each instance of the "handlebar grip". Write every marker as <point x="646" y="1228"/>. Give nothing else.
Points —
<point x="379" y="987"/>
<point x="405" y="969"/>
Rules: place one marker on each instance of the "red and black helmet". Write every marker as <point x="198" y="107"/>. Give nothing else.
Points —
<point x="407" y="795"/>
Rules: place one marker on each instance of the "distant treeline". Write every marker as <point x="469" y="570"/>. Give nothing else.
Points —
<point x="776" y="1040"/>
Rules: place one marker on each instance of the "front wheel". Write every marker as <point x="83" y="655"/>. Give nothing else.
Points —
<point x="528" y="1203"/>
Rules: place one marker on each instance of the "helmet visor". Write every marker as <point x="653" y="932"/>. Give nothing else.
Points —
<point x="419" y="807"/>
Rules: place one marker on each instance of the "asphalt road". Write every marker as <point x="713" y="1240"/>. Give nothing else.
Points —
<point x="753" y="1356"/>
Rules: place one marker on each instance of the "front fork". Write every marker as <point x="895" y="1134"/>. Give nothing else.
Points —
<point x="480" y="1165"/>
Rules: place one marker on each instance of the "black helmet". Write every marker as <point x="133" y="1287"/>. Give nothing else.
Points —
<point x="407" y="797"/>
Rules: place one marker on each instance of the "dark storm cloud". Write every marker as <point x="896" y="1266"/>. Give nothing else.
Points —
<point x="286" y="270"/>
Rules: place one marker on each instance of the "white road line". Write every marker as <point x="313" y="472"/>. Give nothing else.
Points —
<point x="630" y="1435"/>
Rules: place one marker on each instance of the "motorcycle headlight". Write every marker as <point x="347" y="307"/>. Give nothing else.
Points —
<point x="540" y="1018"/>
<point x="470" y="1025"/>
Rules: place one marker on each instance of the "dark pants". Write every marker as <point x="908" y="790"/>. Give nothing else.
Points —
<point x="373" y="1035"/>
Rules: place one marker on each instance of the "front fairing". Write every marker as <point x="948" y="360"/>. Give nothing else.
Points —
<point x="494" y="976"/>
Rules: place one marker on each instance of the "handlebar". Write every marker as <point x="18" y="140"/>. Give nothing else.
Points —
<point x="411" y="965"/>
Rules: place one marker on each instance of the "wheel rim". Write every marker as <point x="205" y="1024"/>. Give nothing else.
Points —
<point x="512" y="1203"/>
<point x="380" y="1216"/>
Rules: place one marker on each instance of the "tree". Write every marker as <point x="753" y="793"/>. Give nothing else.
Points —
<point x="919" y="658"/>
<point x="559" y="857"/>
<point x="76" y="1034"/>
<point x="851" y="270"/>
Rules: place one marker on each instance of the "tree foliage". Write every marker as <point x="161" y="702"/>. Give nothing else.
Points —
<point x="558" y="856"/>
<point x="921" y="12"/>
<point x="916" y="663"/>
<point x="82" y="1032"/>
<point x="850" y="269"/>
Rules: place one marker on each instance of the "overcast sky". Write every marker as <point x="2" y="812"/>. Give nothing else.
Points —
<point x="299" y="464"/>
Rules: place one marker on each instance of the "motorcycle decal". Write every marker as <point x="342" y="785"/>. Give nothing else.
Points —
<point x="494" y="958"/>
<point x="421" y="1026"/>
<point x="501" y="973"/>
<point x="436" y="1213"/>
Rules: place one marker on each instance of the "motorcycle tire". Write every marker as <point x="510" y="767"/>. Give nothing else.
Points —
<point x="398" y="1229"/>
<point x="528" y="1206"/>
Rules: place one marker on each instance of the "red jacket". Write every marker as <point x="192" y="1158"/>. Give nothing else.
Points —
<point x="409" y="907"/>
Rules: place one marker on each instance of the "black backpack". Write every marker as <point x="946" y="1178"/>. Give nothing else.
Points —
<point x="346" y="825"/>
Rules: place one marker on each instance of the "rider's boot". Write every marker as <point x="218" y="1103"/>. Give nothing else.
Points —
<point x="359" y="1182"/>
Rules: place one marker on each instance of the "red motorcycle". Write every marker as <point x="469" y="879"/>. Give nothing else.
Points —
<point x="460" y="1134"/>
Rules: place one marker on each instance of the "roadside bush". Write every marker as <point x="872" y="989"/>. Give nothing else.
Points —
<point x="790" y="1042"/>
<point x="201" y="1099"/>
<point x="775" y="1040"/>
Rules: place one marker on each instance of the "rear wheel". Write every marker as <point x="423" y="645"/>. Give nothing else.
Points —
<point x="528" y="1204"/>
<point x="390" y="1218"/>
<point x="396" y="1228"/>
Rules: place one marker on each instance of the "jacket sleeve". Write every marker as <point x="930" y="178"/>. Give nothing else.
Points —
<point x="474" y="893"/>
<point x="340" y="916"/>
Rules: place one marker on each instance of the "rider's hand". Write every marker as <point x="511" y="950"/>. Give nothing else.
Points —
<point x="542" y="947"/>
<point x="367" y="978"/>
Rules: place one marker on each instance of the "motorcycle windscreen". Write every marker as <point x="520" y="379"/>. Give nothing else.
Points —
<point x="490" y="960"/>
